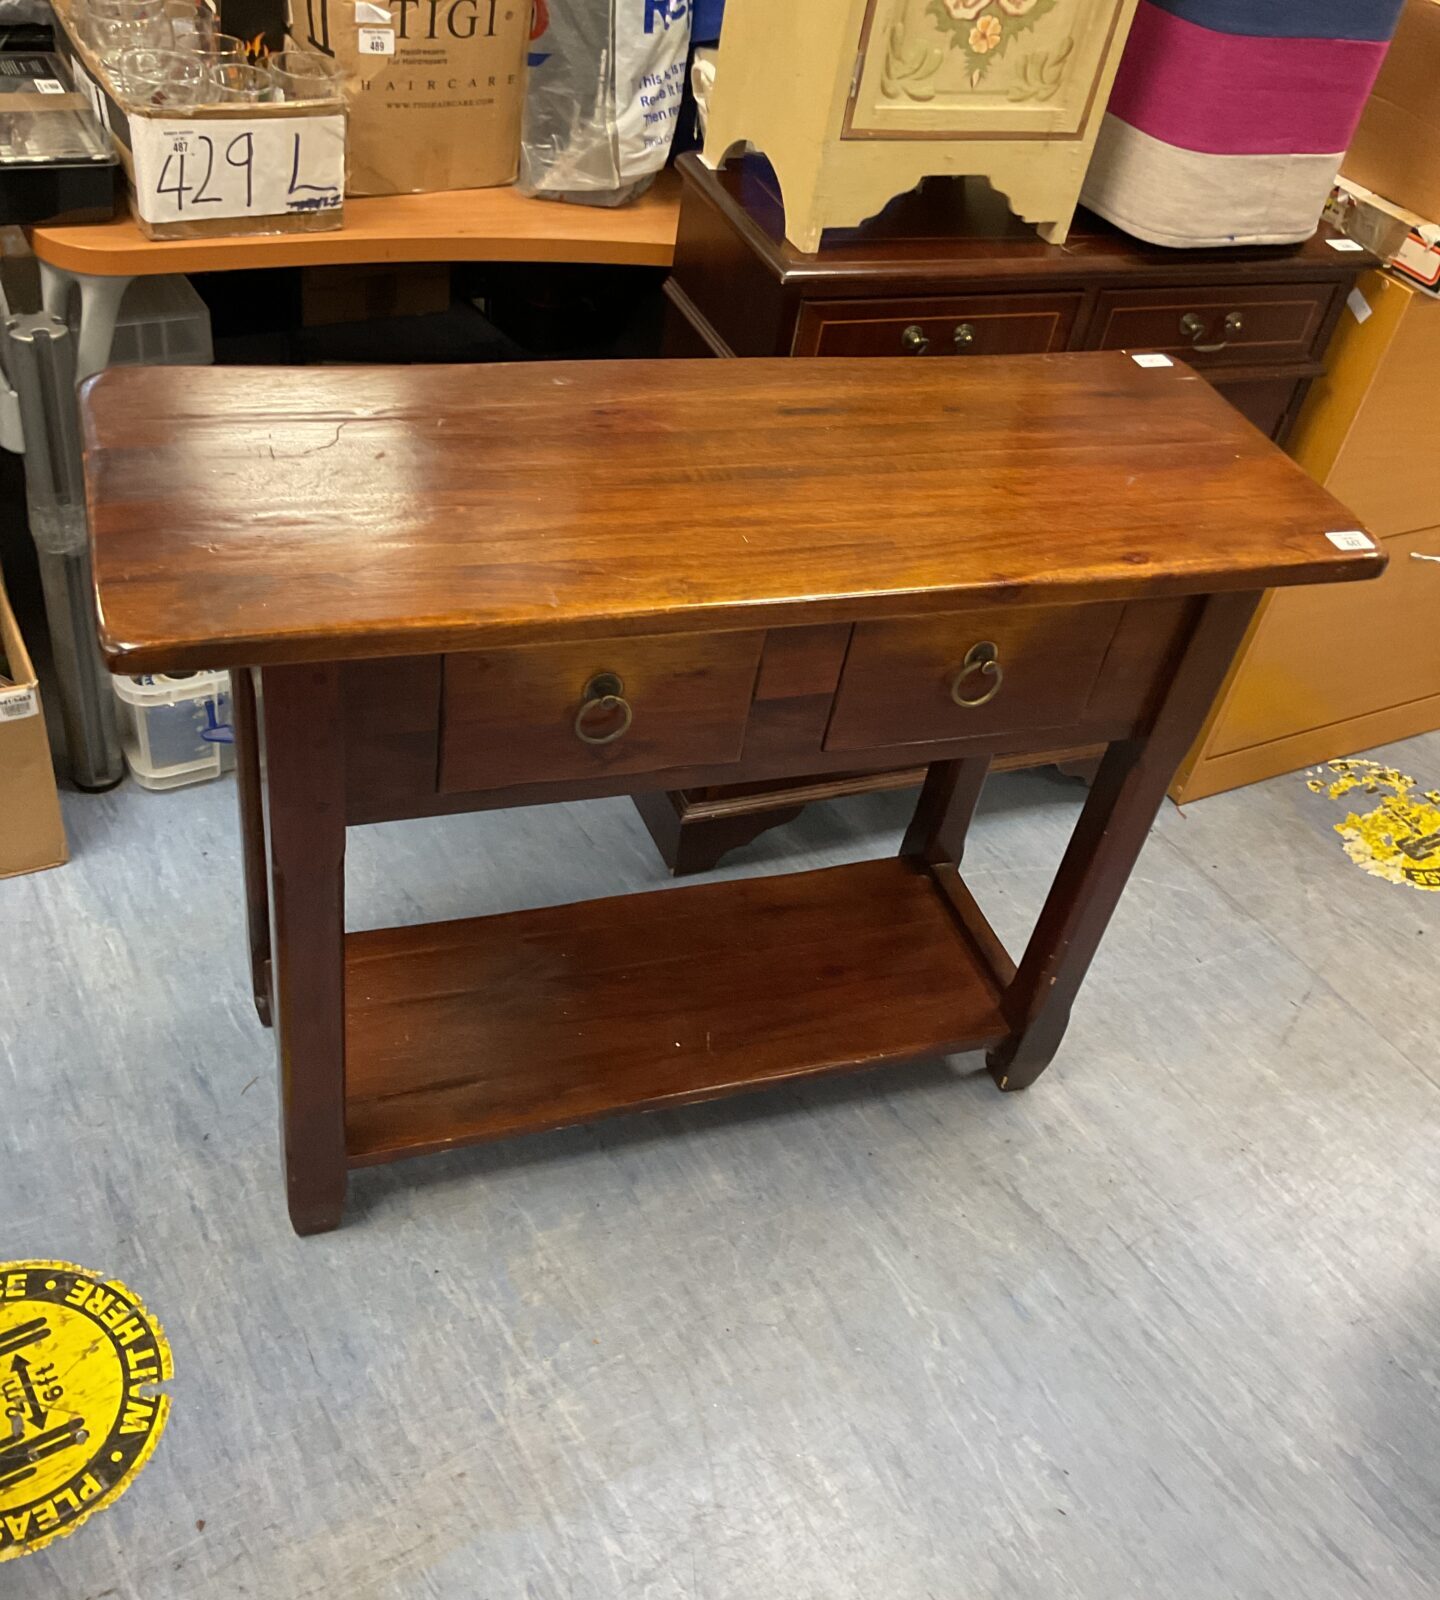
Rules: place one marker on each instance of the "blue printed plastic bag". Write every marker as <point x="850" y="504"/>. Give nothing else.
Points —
<point x="606" y="81"/>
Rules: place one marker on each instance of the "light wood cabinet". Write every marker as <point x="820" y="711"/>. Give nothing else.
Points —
<point x="855" y="101"/>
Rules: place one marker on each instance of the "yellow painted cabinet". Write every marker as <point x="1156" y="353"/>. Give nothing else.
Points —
<point x="854" y="101"/>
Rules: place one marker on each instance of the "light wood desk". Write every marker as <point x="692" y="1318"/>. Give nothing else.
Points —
<point x="458" y="225"/>
<point x="458" y="589"/>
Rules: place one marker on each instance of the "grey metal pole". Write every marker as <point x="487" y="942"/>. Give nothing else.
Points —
<point x="40" y="361"/>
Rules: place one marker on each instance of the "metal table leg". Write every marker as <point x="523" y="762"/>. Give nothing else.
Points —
<point x="100" y="299"/>
<point x="40" y="360"/>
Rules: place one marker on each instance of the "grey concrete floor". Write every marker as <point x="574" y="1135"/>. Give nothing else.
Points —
<point x="1166" y="1326"/>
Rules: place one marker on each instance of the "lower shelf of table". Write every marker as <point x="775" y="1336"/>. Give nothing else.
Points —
<point x="463" y="1031"/>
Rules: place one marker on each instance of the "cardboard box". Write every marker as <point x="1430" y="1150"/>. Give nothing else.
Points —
<point x="434" y="93"/>
<point x="1396" y="148"/>
<point x="32" y="836"/>
<point x="268" y="168"/>
<point x="1407" y="243"/>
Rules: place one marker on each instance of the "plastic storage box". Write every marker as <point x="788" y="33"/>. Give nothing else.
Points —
<point x="162" y="323"/>
<point x="176" y="730"/>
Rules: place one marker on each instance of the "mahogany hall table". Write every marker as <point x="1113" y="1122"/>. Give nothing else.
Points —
<point x="448" y="589"/>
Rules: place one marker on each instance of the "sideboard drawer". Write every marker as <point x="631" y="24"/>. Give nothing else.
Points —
<point x="536" y="714"/>
<point x="976" y="672"/>
<point x="1212" y="327"/>
<point x="977" y="325"/>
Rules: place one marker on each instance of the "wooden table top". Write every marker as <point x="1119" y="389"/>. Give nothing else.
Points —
<point x="458" y="225"/>
<point x="248" y="516"/>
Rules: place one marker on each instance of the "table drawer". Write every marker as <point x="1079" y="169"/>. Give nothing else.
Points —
<point x="1215" y="327"/>
<point x="974" y="672"/>
<point x="542" y="713"/>
<point x="980" y="325"/>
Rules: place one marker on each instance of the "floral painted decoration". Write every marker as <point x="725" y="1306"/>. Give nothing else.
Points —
<point x="983" y="29"/>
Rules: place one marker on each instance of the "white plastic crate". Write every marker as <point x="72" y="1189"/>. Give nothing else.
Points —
<point x="162" y="323"/>
<point x="175" y="729"/>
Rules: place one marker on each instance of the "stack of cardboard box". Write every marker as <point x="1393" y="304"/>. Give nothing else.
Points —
<point x="1390" y="182"/>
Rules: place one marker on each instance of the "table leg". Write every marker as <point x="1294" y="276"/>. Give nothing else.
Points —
<point x="100" y="299"/>
<point x="945" y="810"/>
<point x="55" y="284"/>
<point x="252" y="834"/>
<point x="304" y="779"/>
<point x="1124" y="799"/>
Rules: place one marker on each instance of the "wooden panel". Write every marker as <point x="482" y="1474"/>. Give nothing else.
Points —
<point x="685" y="335"/>
<point x="1315" y="660"/>
<point x="1142" y="653"/>
<point x="1278" y="322"/>
<point x="974" y="325"/>
<point x="897" y="684"/>
<point x="721" y="287"/>
<point x="913" y="81"/>
<point x="1269" y="403"/>
<point x="802" y="661"/>
<point x="539" y="1019"/>
<point x="742" y="799"/>
<point x="519" y="716"/>
<point x="392" y="727"/>
<point x="245" y="516"/>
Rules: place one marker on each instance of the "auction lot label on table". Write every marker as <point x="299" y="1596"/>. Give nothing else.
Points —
<point x="214" y="167"/>
<point x="79" y="1359"/>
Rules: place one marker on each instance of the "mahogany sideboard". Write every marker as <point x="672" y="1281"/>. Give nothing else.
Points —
<point x="444" y="589"/>
<point x="948" y="272"/>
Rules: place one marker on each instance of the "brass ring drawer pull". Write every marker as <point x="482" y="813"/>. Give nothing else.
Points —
<point x="1193" y="328"/>
<point x="984" y="660"/>
<point x="914" y="341"/>
<point x="964" y="338"/>
<point x="603" y="693"/>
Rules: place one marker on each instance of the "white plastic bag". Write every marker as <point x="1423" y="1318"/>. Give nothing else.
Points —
<point x="606" y="81"/>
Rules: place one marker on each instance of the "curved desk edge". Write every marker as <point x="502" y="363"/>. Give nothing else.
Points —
<point x="456" y="225"/>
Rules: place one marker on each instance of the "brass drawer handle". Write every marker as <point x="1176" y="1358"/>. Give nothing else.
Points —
<point x="1192" y="326"/>
<point x="964" y="338"/>
<point x="984" y="659"/>
<point x="603" y="693"/>
<point x="914" y="341"/>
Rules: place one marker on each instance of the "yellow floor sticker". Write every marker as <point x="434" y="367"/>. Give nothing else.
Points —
<point x="79" y="1413"/>
<point x="1397" y="839"/>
